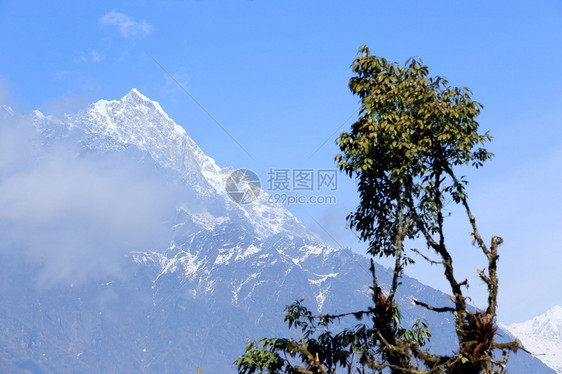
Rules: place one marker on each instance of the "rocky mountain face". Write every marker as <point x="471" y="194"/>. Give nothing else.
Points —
<point x="542" y="336"/>
<point x="222" y="274"/>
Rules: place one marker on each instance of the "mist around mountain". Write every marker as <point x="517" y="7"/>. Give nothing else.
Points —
<point x="122" y="252"/>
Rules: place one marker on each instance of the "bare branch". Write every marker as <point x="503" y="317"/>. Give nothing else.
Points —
<point x="426" y="258"/>
<point x="421" y="226"/>
<point x="493" y="275"/>
<point x="357" y="315"/>
<point x="460" y="301"/>
<point x="514" y="346"/>
<point x="483" y="276"/>
<point x="475" y="233"/>
<point x="435" y="309"/>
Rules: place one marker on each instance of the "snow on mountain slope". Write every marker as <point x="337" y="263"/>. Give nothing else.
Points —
<point x="542" y="336"/>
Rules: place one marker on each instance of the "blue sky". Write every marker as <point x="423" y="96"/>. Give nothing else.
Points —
<point x="274" y="75"/>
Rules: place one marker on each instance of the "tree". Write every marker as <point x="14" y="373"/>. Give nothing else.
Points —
<point x="413" y="134"/>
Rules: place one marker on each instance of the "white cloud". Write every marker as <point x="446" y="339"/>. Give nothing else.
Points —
<point x="126" y="25"/>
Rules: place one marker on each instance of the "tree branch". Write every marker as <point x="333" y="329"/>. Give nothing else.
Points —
<point x="475" y="233"/>
<point x="435" y="309"/>
<point x="399" y="248"/>
<point x="460" y="301"/>
<point x="426" y="258"/>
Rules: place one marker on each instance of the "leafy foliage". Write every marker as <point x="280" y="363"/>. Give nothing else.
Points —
<point x="262" y="356"/>
<point x="412" y="127"/>
<point x="320" y="350"/>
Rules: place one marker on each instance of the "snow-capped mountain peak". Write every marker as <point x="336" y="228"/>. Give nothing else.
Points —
<point x="137" y="121"/>
<point x="548" y="325"/>
<point x="542" y="336"/>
